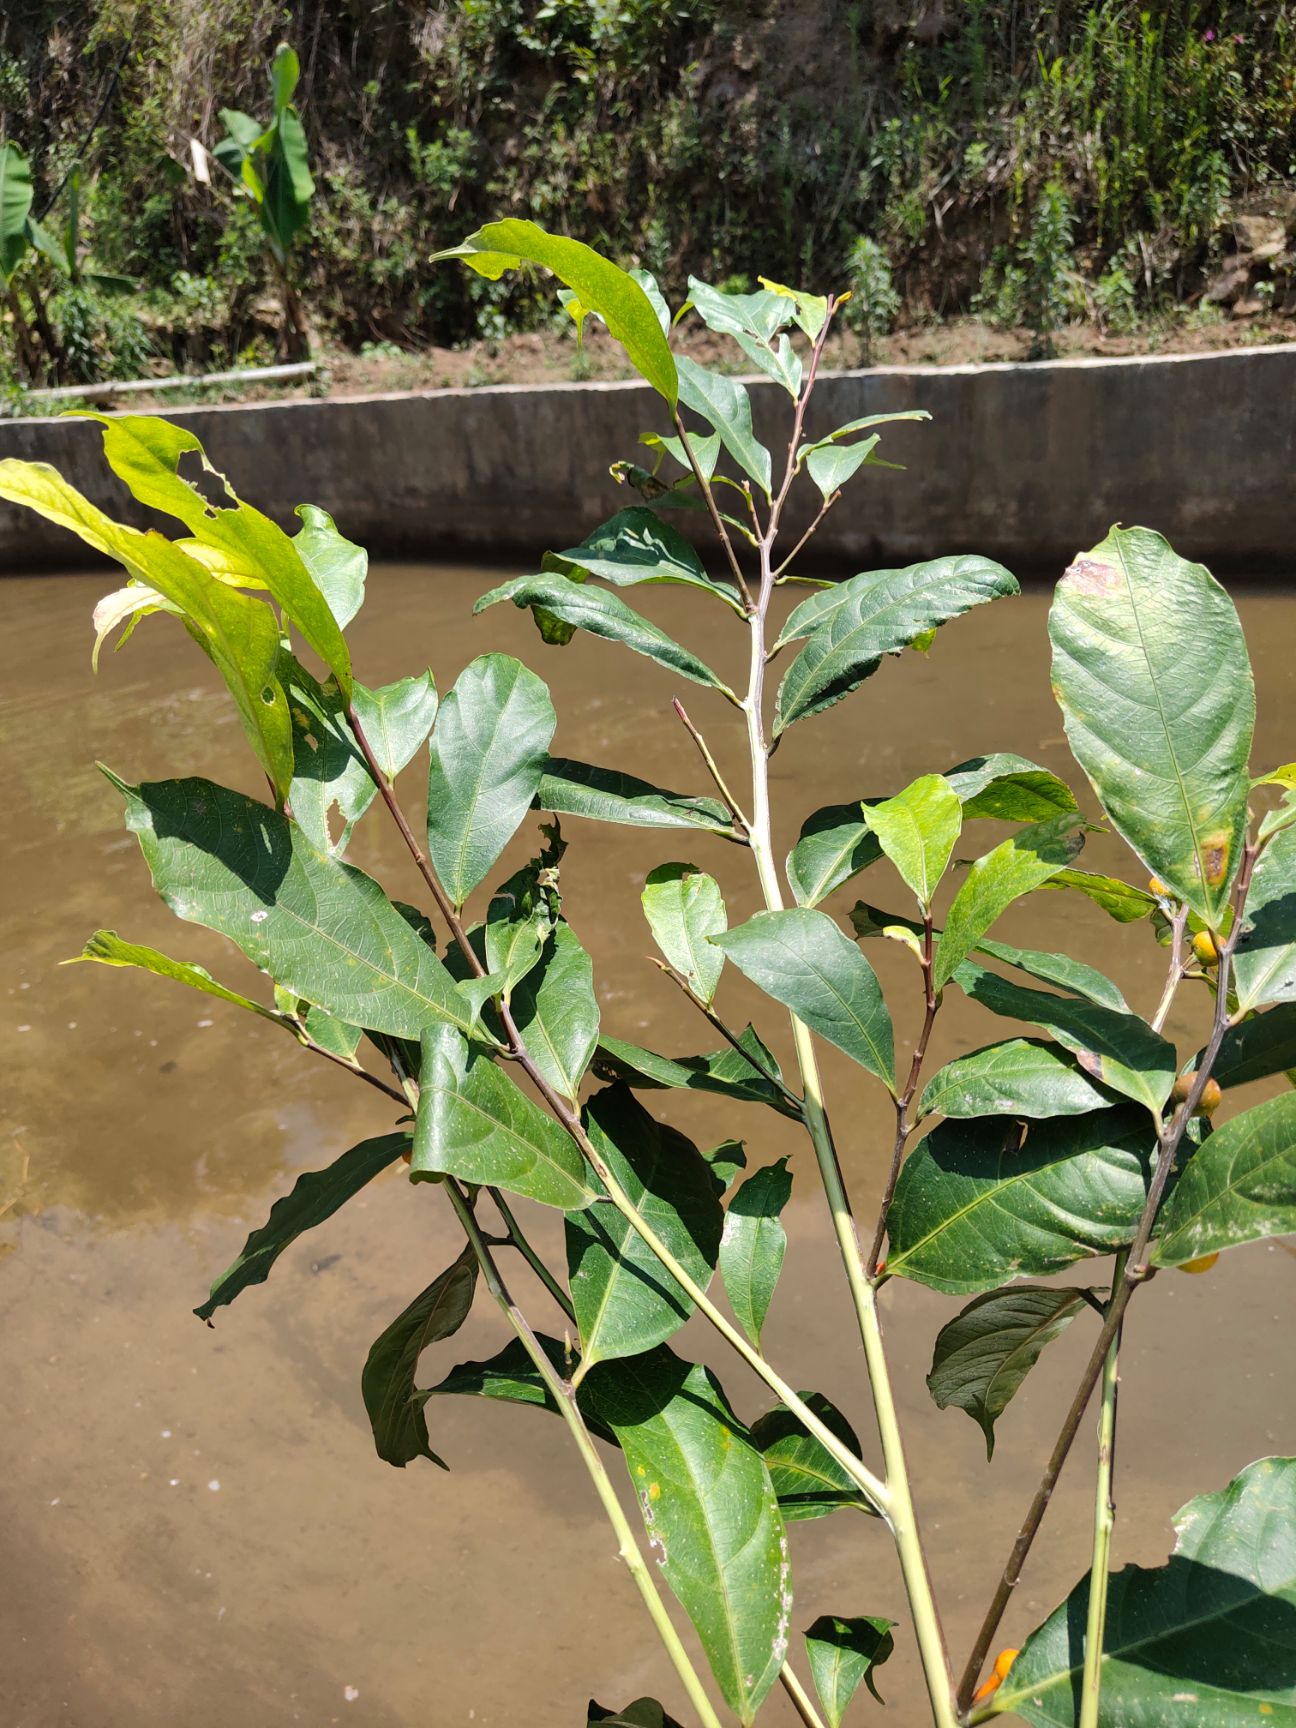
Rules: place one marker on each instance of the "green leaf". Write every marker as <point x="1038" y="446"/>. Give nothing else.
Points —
<point x="625" y="1301"/>
<point x="284" y="74"/>
<point x="684" y="907"/>
<point x="1206" y="1639"/>
<point x="1264" y="961"/>
<point x="238" y="633"/>
<point x="1257" y="1047"/>
<point x="976" y="1207"/>
<point x="917" y="830"/>
<point x="601" y="287"/>
<point x="513" y="1378"/>
<point x="146" y="453"/>
<point x="726" y="407"/>
<point x="803" y="960"/>
<point x="473" y="1122"/>
<point x="876" y="614"/>
<point x="1060" y="969"/>
<point x="637" y="546"/>
<point x="15" y="207"/>
<point x="1014" y="868"/>
<point x="808" y="1480"/>
<point x="1007" y="788"/>
<point x="844" y="1652"/>
<point x="489" y="750"/>
<point x="319" y="927"/>
<point x="982" y="1356"/>
<point x="761" y="315"/>
<point x="337" y="566"/>
<point x="603" y="614"/>
<point x="1239" y="1186"/>
<point x="830" y="466"/>
<point x="1117" y="1050"/>
<point x="709" y="1508"/>
<point x="556" y="1011"/>
<point x="387" y="1383"/>
<point x="753" y="1245"/>
<point x="607" y="795"/>
<point x="1151" y="670"/>
<point x="723" y="1071"/>
<point x="109" y="949"/>
<point x="522" y="915"/>
<point x="835" y="844"/>
<point x="1020" y="1077"/>
<point x="1119" y="900"/>
<point x="724" y="1162"/>
<point x="313" y="1199"/>
<point x="643" y="1713"/>
<point x="1283" y="815"/>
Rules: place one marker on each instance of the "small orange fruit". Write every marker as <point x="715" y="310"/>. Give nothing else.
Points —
<point x="1209" y="1101"/>
<point x="1003" y="1662"/>
<point x="1204" y="948"/>
<point x="1157" y="886"/>
<point x="1202" y="1263"/>
<point x="408" y="1154"/>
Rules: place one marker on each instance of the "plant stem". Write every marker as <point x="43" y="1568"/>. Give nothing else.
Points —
<point x="734" y="808"/>
<point x="1136" y="1272"/>
<point x="1104" y="1522"/>
<point x="717" y="520"/>
<point x="565" y="1399"/>
<point x="801" y="1699"/>
<point x="528" y="1253"/>
<point x="904" y="1127"/>
<point x="729" y="1035"/>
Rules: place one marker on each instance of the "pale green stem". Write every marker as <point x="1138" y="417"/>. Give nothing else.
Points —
<point x="801" y="1699"/>
<point x="564" y="1397"/>
<point x="1104" y="1523"/>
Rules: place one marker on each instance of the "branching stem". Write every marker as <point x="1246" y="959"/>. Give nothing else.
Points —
<point x="904" y="1101"/>
<point x="735" y="809"/>
<point x="1104" y="1523"/>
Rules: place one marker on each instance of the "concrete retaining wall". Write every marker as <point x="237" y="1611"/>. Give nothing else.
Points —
<point x="1027" y="463"/>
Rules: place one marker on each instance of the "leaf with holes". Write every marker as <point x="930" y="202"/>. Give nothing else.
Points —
<point x="1151" y="670"/>
<point x="982" y="1356"/>
<point x="710" y="1512"/>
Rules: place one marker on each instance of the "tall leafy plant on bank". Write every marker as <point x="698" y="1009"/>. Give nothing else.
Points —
<point x="1088" y="1144"/>
<point x="270" y="166"/>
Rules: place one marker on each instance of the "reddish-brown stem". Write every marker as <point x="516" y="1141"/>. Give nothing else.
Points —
<point x="712" y="769"/>
<point x="1136" y="1272"/>
<point x="717" y="520"/>
<point x="903" y="1103"/>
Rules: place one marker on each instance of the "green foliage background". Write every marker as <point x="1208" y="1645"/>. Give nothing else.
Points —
<point x="683" y="134"/>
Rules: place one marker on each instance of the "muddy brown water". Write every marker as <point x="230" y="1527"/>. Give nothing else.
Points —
<point x="196" y="1530"/>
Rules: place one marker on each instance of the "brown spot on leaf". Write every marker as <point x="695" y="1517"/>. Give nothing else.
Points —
<point x="1091" y="1062"/>
<point x="1092" y="576"/>
<point x="1215" y="856"/>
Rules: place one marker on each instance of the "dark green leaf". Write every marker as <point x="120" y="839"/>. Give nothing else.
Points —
<point x="319" y="927"/>
<point x="723" y="1071"/>
<point x="556" y="1011"/>
<point x="643" y="1713"/>
<point x="337" y="566"/>
<point x="1117" y="1050"/>
<point x="1264" y="962"/>
<point x="808" y="1480"/>
<point x="710" y="1512"/>
<point x="637" y="546"/>
<point x="396" y="719"/>
<point x="109" y="949"/>
<point x="1060" y="969"/>
<point x="1015" y="867"/>
<point x="1021" y="1077"/>
<point x="625" y="1301"/>
<point x="606" y="615"/>
<point x="606" y="795"/>
<point x="15" y="207"/>
<point x="726" y="407"/>
<point x="724" y="1162"/>
<point x="489" y="750"/>
<point x="975" y="1207"/>
<point x="1206" y="1640"/>
<point x="830" y="466"/>
<point x="1007" y="788"/>
<point x="601" y="287"/>
<point x="1151" y="670"/>
<point x="1253" y="1049"/>
<point x="684" y="908"/>
<point x="475" y="1123"/>
<point x="844" y="1652"/>
<point x="1239" y="1186"/>
<point x="395" y="1414"/>
<point x="803" y="960"/>
<point x="513" y="1378"/>
<point x="753" y="1245"/>
<point x="835" y="844"/>
<point x="314" y="1197"/>
<point x="982" y="1357"/>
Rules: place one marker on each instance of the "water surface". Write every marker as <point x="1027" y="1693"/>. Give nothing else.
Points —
<point x="197" y="1530"/>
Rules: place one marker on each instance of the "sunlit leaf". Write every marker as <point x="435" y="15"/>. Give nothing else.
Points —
<point x="917" y="830"/>
<point x="1015" y="867"/>
<point x="684" y="908"/>
<point x="1206" y="1639"/>
<point x="842" y="1654"/>
<point x="607" y="795"/>
<point x="1239" y="1186"/>
<point x="625" y="1301"/>
<point x="982" y="1356"/>
<point x="1021" y="1077"/>
<point x="395" y="1415"/>
<point x="976" y="1206"/>
<point x="556" y="1011"/>
<point x="725" y="406"/>
<point x="337" y="565"/>
<point x="1151" y="670"/>
<point x="1264" y="961"/>
<point x="725" y="1071"/>
<point x="808" y="1480"/>
<point x="637" y="546"/>
<point x="109" y="949"/>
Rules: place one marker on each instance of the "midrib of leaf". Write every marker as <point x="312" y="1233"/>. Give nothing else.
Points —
<point x="589" y="1354"/>
<point x="833" y="990"/>
<point x="1020" y="1348"/>
<point x="538" y="1154"/>
<point x="483" y="756"/>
